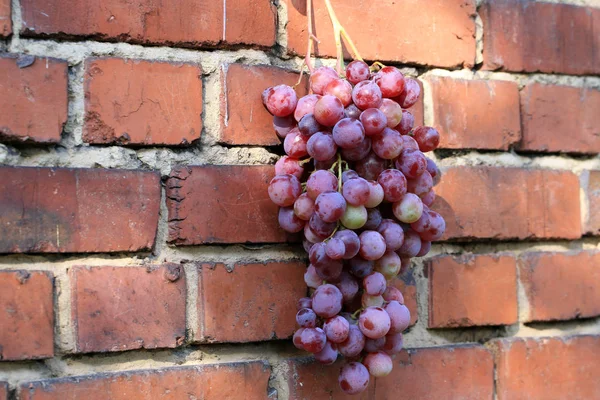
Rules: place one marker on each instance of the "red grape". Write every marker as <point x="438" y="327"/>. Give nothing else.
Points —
<point x="428" y="138"/>
<point x="306" y="318"/>
<point x="409" y="143"/>
<point x="410" y="95"/>
<point x="372" y="245"/>
<point x="304" y="302"/>
<point x="392" y="234"/>
<point x="335" y="249"/>
<point x="393" y="294"/>
<point x="375" y="194"/>
<point x="283" y="125"/>
<point x="374" y="322"/>
<point x="356" y="191"/>
<point x="411" y="162"/>
<point x="411" y="245"/>
<point x="352" y="112"/>
<point x="390" y="80"/>
<point x="348" y="133"/>
<point x="294" y="144"/>
<point x="378" y="364"/>
<point x="329" y="110"/>
<point x="357" y="71"/>
<point x="425" y="247"/>
<point x="374" y="121"/>
<point x="421" y="184"/>
<point x="437" y="227"/>
<point x="370" y="167"/>
<point x="330" y="206"/>
<point x="354" y="344"/>
<point x="399" y="316"/>
<point x="393" y="183"/>
<point x="312" y="279"/>
<point x="304" y="207"/>
<point x="298" y="339"/>
<point x="340" y="88"/>
<point x="284" y="190"/>
<point x="336" y="329"/>
<point x="354" y="378"/>
<point x="366" y="94"/>
<point x="328" y="355"/>
<point x="280" y="100"/>
<point x="320" y="227"/>
<point x="306" y="105"/>
<point x="313" y="339"/>
<point x="393" y="343"/>
<point x="387" y="145"/>
<point x="392" y="111"/>
<point x="351" y="242"/>
<point x="359" y="152"/>
<point x="288" y="165"/>
<point x="308" y="125"/>
<point x="321" y="146"/>
<point x="374" y="284"/>
<point x="327" y="301"/>
<point x="406" y="123"/>
<point x="320" y="78"/>
<point x="374" y="345"/>
<point x="289" y="221"/>
<point x="320" y="181"/>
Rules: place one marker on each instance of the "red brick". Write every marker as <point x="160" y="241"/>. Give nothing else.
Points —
<point x="512" y="30"/>
<point x="561" y="286"/>
<point x="247" y="380"/>
<point x="33" y="99"/>
<point x="592" y="191"/>
<point x="186" y="23"/>
<point x="124" y="308"/>
<point x="252" y="302"/>
<point x="142" y="102"/>
<point x="64" y="210"/>
<point x="472" y="290"/>
<point x="5" y="22"/>
<point x="560" y="119"/>
<point x="509" y="203"/>
<point x="450" y="44"/>
<point x="461" y="372"/>
<point x="222" y="204"/>
<point x="547" y="368"/>
<point x="26" y="315"/>
<point x="244" y="119"/>
<point x="3" y="391"/>
<point x="408" y="286"/>
<point x="475" y="114"/>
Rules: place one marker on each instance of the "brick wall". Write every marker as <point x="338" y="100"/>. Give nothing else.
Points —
<point x="140" y="255"/>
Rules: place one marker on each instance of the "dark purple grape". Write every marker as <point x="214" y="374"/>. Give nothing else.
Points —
<point x="360" y="268"/>
<point x="352" y="112"/>
<point x="370" y="167"/>
<point x="330" y="271"/>
<point x="393" y="343"/>
<point x="348" y="286"/>
<point x="306" y="318"/>
<point x="359" y="152"/>
<point x="425" y="247"/>
<point x="351" y="242"/>
<point x="321" y="228"/>
<point x="348" y="133"/>
<point x="304" y="302"/>
<point x="283" y="125"/>
<point x="321" y="146"/>
<point x="348" y="174"/>
<point x="411" y="245"/>
<point x="373" y="219"/>
<point x="308" y="125"/>
<point x="374" y="345"/>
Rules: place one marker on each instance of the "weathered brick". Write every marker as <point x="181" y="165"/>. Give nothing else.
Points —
<point x="222" y="204"/>
<point x="450" y="44"/>
<point x="252" y="302"/>
<point x="547" y="368"/>
<point x="475" y="114"/>
<point x="124" y="308"/>
<point x="408" y="286"/>
<point x="5" y="22"/>
<point x="461" y="372"/>
<point x="560" y="118"/>
<point x="417" y="108"/>
<point x="247" y="380"/>
<point x="512" y="30"/>
<point x="472" y="290"/>
<point x="509" y="203"/>
<point x="561" y="286"/>
<point x="33" y="98"/>
<point x="3" y="391"/>
<point x="186" y="23"/>
<point x="592" y="191"/>
<point x="142" y="102"/>
<point x="26" y="315"/>
<point x="244" y="119"/>
<point x="64" y="210"/>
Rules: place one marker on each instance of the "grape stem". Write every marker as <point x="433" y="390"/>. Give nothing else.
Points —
<point x="339" y="32"/>
<point x="302" y="162"/>
<point x="311" y="37"/>
<point x="376" y="66"/>
<point x="355" y="314"/>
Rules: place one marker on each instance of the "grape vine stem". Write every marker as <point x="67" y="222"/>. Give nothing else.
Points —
<point x="339" y="32"/>
<point x="311" y="37"/>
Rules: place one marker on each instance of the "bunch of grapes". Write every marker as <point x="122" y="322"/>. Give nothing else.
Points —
<point x="355" y="181"/>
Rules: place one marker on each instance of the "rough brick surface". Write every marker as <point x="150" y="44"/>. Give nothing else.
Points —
<point x="417" y="108"/>
<point x="525" y="203"/>
<point x="247" y="380"/>
<point x="475" y="114"/>
<point x="512" y="30"/>
<point x="253" y="302"/>
<point x="560" y="118"/>
<point x="592" y="191"/>
<point x="180" y="23"/>
<point x="124" y="308"/>
<point x="408" y="286"/>
<point x="142" y="102"/>
<point x="547" y="368"/>
<point x="450" y="44"/>
<point x="50" y="210"/>
<point x="222" y="204"/>
<point x="463" y="372"/>
<point x="5" y="22"/>
<point x="3" y="391"/>
<point x="472" y="290"/>
<point x="33" y="98"/>
<point x="244" y="119"/>
<point x="561" y="286"/>
<point x="26" y="315"/>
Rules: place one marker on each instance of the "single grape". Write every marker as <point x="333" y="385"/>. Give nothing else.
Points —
<point x="399" y="316"/>
<point x="374" y="322"/>
<point x="330" y="206"/>
<point x="411" y="162"/>
<point x="304" y="302"/>
<point x="374" y="121"/>
<point x="408" y="209"/>
<point x="428" y="138"/>
<point x="348" y="133"/>
<point x="328" y="355"/>
<point x="425" y="247"/>
<point x="433" y="170"/>
<point x="437" y="227"/>
<point x="371" y="301"/>
<point x="298" y="339"/>
<point x="321" y="146"/>
<point x="348" y="174"/>
<point x="373" y="219"/>
<point x="321" y="228"/>
<point x="311" y="236"/>
<point x="410" y="95"/>
<point x="352" y="112"/>
<point x="294" y="144"/>
<point x="311" y="278"/>
<point x="329" y="110"/>
<point x="356" y="191"/>
<point x="348" y="286"/>
<point x="366" y="94"/>
<point x="357" y="71"/>
<point x="374" y="345"/>
<point x="280" y="100"/>
<point x="351" y="241"/>
<point x="304" y="207"/>
<point x="378" y="364"/>
<point x="406" y="123"/>
<point x="359" y="152"/>
<point x="409" y="143"/>
<point x="288" y="221"/>
<point x="330" y="270"/>
<point x="392" y="234"/>
<point x="337" y="329"/>
<point x="390" y="80"/>
<point x="387" y="145"/>
<point x="340" y="88"/>
<point x="327" y="301"/>
<point x="393" y="294"/>
<point x="282" y="125"/>
<point x="288" y="165"/>
<point x="370" y="167"/>
<point x="284" y="190"/>
<point x="307" y="244"/>
<point x="393" y="183"/>
<point x="354" y="344"/>
<point x="376" y="194"/>
<point x="306" y="105"/>
<point x="360" y="268"/>
<point x="313" y="339"/>
<point x="393" y="343"/>
<point x="423" y="223"/>
<point x="335" y="249"/>
<point x="306" y="318"/>
<point x="392" y="111"/>
<point x="354" y="217"/>
<point x="389" y="265"/>
<point x="411" y="245"/>
<point x="320" y="181"/>
<point x="308" y="125"/>
<point x="354" y="378"/>
<point x="372" y="245"/>
<point x="374" y="284"/>
<point x="320" y="78"/>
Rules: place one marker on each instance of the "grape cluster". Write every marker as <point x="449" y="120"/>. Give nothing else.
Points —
<point x="364" y="209"/>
